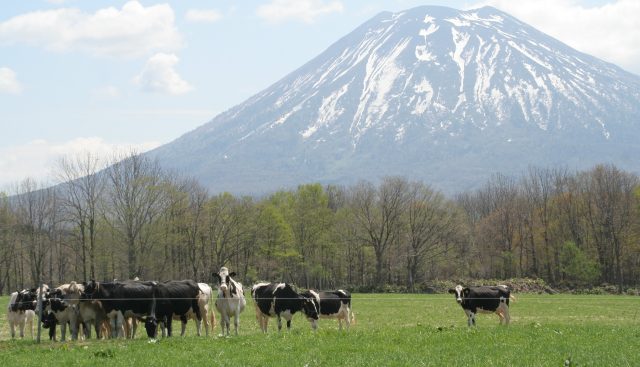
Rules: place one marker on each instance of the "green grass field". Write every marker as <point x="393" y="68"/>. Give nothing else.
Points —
<point x="391" y="330"/>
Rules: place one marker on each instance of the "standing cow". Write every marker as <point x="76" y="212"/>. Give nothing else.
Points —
<point x="177" y="298"/>
<point x="282" y="301"/>
<point x="230" y="300"/>
<point x="20" y="312"/>
<point x="488" y="299"/>
<point x="203" y="303"/>
<point x="332" y="305"/>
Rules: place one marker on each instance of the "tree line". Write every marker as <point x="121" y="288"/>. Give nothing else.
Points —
<point x="127" y="217"/>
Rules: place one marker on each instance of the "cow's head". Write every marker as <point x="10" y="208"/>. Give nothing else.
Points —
<point x="227" y="285"/>
<point x="151" y="325"/>
<point x="90" y="289"/>
<point x="459" y="292"/>
<point x="310" y="308"/>
<point x="56" y="300"/>
<point x="49" y="320"/>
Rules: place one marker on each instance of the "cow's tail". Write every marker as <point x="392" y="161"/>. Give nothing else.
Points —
<point x="512" y="297"/>
<point x="353" y="318"/>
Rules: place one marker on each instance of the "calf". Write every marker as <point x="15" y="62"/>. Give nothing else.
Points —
<point x="230" y="301"/>
<point x="332" y="305"/>
<point x="483" y="299"/>
<point x="280" y="300"/>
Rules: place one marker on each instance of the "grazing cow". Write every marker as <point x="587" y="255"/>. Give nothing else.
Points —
<point x="177" y="298"/>
<point x="492" y="299"/>
<point x="20" y="312"/>
<point x="332" y="305"/>
<point x="280" y="300"/>
<point x="230" y="301"/>
<point x="119" y="297"/>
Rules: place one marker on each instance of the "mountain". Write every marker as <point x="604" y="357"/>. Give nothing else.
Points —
<point x="431" y="93"/>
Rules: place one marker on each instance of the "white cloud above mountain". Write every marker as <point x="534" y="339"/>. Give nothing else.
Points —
<point x="132" y="31"/>
<point x="607" y="31"/>
<point x="36" y="159"/>
<point x="159" y="76"/>
<point x="9" y="81"/>
<point x="278" y="11"/>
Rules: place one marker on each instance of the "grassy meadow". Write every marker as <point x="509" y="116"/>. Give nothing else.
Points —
<point x="391" y="330"/>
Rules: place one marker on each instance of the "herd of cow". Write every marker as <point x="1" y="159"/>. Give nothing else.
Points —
<point x="114" y="309"/>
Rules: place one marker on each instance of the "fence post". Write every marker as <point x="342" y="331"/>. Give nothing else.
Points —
<point x="39" y="308"/>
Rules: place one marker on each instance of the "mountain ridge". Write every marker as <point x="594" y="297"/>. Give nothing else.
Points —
<point x="431" y="93"/>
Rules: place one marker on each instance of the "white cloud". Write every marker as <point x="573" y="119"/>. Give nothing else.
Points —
<point x="301" y="10"/>
<point x="37" y="158"/>
<point x="159" y="75"/>
<point x="9" y="82"/>
<point x="132" y="31"/>
<point x="203" y="15"/>
<point x="610" y="31"/>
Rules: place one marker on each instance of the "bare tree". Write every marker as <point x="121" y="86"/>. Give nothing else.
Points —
<point x="135" y="199"/>
<point x="37" y="211"/>
<point x="82" y="188"/>
<point x="609" y="194"/>
<point x="431" y="225"/>
<point x="378" y="215"/>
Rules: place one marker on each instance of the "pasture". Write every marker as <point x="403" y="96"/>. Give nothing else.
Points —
<point x="391" y="330"/>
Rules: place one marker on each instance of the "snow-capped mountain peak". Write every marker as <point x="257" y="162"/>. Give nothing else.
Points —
<point x="426" y="83"/>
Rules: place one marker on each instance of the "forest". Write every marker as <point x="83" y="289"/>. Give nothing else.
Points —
<point x="127" y="217"/>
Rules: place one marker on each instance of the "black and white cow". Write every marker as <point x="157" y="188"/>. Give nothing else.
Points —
<point x="282" y="301"/>
<point x="487" y="299"/>
<point x="119" y="297"/>
<point x="177" y="298"/>
<point x="230" y="300"/>
<point x="332" y="305"/>
<point x="20" y="312"/>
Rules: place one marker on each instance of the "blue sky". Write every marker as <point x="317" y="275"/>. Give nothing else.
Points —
<point x="79" y="75"/>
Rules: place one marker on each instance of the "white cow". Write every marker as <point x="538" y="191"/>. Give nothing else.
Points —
<point x="18" y="317"/>
<point x="230" y="301"/>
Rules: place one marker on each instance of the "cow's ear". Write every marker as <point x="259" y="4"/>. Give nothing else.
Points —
<point x="466" y="291"/>
<point x="217" y="276"/>
<point x="452" y="290"/>
<point x="232" y="274"/>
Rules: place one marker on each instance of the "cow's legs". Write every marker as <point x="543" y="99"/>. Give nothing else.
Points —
<point x="12" y="326"/>
<point x="471" y="320"/>
<point x="183" y="321"/>
<point x="63" y="330"/>
<point x="114" y="327"/>
<point x="134" y="327"/>
<point x="169" y="326"/>
<point x="236" y="321"/>
<point x="505" y="312"/>
<point x="21" y="328"/>
<point x="279" y="323"/>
